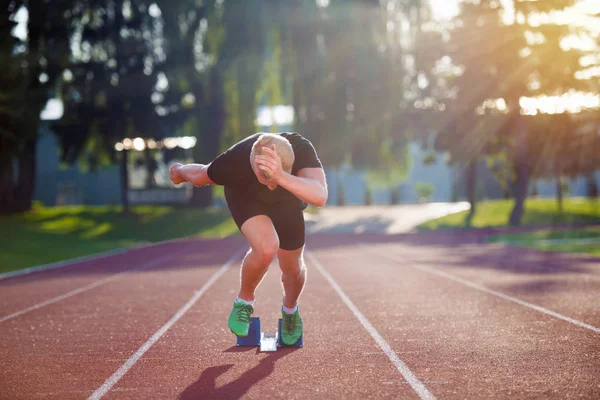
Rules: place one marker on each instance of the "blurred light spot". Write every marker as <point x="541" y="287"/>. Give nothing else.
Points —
<point x="127" y="143"/>
<point x="187" y="142"/>
<point x="525" y="52"/>
<point x="119" y="146"/>
<point x="44" y="77"/>
<point x="588" y="73"/>
<point x="589" y="60"/>
<point x="162" y="82"/>
<point x="21" y="17"/>
<point x="170" y="143"/>
<point x="422" y="80"/>
<point x="444" y="9"/>
<point x="571" y="102"/>
<point x="53" y="111"/>
<point x="162" y="111"/>
<point x="534" y="85"/>
<point x="579" y="42"/>
<point x="151" y="144"/>
<point x="154" y="11"/>
<point x="127" y="12"/>
<point x="139" y="144"/>
<point x="188" y="100"/>
<point x="278" y="115"/>
<point x="501" y="104"/>
<point x="156" y="98"/>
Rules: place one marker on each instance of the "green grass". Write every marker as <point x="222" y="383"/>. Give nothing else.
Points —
<point x="535" y="240"/>
<point x="538" y="212"/>
<point x="46" y="235"/>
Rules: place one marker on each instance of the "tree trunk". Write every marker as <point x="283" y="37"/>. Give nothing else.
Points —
<point x="522" y="172"/>
<point x="394" y="196"/>
<point x="559" y="193"/>
<point x="26" y="179"/>
<point x="592" y="186"/>
<point x="150" y="165"/>
<point x="214" y="122"/>
<point x="124" y="172"/>
<point x="471" y="175"/>
<point x="6" y="188"/>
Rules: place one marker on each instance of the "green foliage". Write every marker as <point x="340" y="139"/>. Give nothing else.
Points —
<point x="424" y="190"/>
<point x="539" y="212"/>
<point x="74" y="231"/>
<point x="573" y="241"/>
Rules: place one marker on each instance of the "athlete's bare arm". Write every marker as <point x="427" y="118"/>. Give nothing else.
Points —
<point x="196" y="174"/>
<point x="309" y="185"/>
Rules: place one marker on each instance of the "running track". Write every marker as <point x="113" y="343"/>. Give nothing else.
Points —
<point x="386" y="316"/>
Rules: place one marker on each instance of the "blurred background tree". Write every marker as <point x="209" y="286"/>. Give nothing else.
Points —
<point x="366" y="80"/>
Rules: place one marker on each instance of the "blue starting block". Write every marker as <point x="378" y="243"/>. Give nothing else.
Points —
<point x="253" y="338"/>
<point x="266" y="341"/>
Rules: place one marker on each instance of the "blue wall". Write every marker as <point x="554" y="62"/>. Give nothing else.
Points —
<point x="56" y="185"/>
<point x="72" y="186"/>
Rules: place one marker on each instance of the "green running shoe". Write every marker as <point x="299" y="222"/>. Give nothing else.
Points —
<point x="291" y="327"/>
<point x="239" y="319"/>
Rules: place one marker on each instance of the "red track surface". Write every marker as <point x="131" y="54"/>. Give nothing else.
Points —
<point x="434" y="324"/>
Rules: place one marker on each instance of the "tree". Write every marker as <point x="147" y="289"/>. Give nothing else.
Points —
<point x="108" y="92"/>
<point x="30" y="67"/>
<point x="543" y="67"/>
<point x="473" y="117"/>
<point x="424" y="191"/>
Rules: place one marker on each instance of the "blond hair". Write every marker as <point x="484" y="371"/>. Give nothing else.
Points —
<point x="283" y="149"/>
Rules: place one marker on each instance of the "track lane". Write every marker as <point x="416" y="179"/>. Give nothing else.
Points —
<point x="463" y="343"/>
<point x="67" y="349"/>
<point x="45" y="285"/>
<point x="197" y="358"/>
<point x="567" y="292"/>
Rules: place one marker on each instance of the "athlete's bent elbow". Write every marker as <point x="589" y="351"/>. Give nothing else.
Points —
<point x="321" y="200"/>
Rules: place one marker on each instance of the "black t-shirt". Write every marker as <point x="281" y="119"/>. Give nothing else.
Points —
<point x="233" y="170"/>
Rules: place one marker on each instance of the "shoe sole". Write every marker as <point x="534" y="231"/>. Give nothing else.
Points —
<point x="237" y="334"/>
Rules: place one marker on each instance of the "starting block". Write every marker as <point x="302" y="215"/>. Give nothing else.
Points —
<point x="267" y="341"/>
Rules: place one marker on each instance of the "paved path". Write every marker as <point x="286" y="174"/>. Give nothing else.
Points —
<point x="378" y="219"/>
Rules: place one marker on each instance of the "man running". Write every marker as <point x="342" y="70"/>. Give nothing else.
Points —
<point x="268" y="180"/>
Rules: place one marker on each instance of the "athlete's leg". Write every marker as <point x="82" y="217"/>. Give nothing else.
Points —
<point x="264" y="243"/>
<point x="289" y="224"/>
<point x="293" y="275"/>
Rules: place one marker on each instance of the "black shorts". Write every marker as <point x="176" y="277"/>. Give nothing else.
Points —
<point x="287" y="219"/>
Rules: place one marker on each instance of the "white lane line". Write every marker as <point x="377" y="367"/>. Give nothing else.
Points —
<point x="413" y="381"/>
<point x="110" y="382"/>
<point x="92" y="285"/>
<point x="61" y="264"/>
<point x="483" y="289"/>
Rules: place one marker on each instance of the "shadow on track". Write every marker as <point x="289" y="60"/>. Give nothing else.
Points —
<point x="205" y="387"/>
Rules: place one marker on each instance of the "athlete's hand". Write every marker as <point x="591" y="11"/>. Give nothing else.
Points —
<point x="175" y="176"/>
<point x="270" y="163"/>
